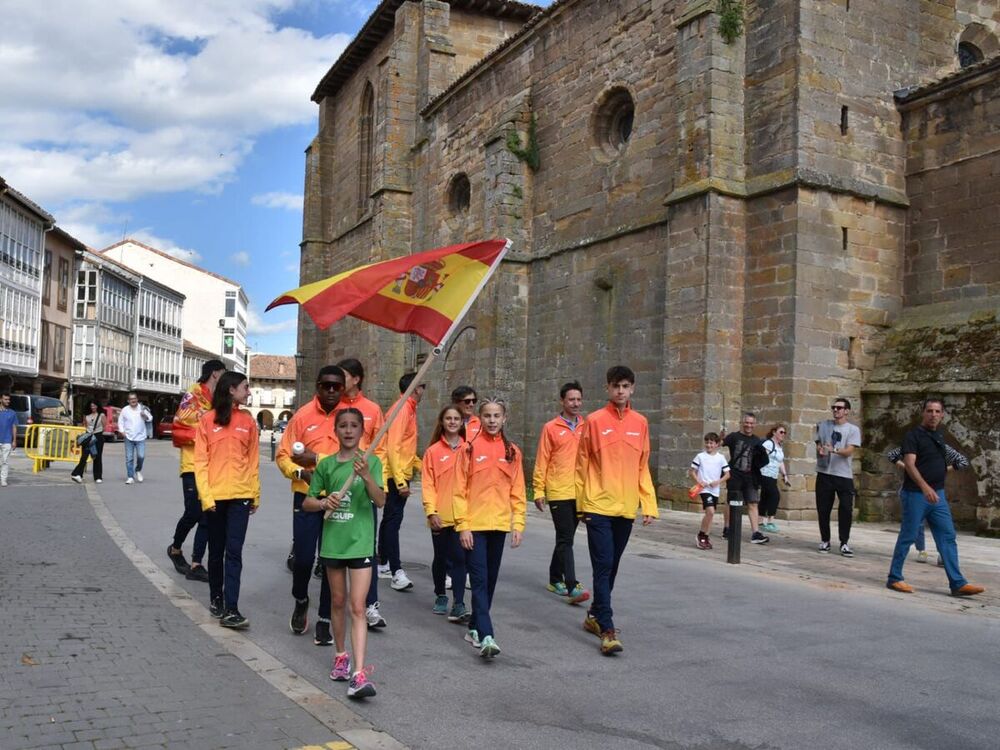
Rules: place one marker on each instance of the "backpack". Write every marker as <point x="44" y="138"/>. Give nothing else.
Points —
<point x="760" y="457"/>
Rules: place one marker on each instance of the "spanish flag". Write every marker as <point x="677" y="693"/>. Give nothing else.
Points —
<point x="426" y="294"/>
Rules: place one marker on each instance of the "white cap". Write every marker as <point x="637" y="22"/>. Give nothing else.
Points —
<point x="298" y="448"/>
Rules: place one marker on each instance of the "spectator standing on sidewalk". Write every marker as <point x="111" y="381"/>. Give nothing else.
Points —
<point x="400" y="449"/>
<point x="94" y="420"/>
<point x="132" y="422"/>
<point x="194" y="405"/>
<point x="835" y="441"/>
<point x="227" y="470"/>
<point x="313" y="427"/>
<point x="554" y="481"/>
<point x="612" y="483"/>
<point x="742" y="485"/>
<point x="923" y="499"/>
<point x="8" y="435"/>
<point x="770" y="495"/>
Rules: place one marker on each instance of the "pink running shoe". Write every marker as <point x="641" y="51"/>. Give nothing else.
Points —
<point x="341" y="671"/>
<point x="359" y="686"/>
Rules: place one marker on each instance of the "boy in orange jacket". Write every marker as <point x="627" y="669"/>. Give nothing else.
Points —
<point x="612" y="482"/>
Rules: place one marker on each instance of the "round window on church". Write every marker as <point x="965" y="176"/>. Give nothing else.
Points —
<point x="613" y="120"/>
<point x="459" y="194"/>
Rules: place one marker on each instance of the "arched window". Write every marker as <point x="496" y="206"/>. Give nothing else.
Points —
<point x="459" y="194"/>
<point x="366" y="147"/>
<point x="969" y="54"/>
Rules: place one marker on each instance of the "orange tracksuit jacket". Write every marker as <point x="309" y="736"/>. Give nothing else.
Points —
<point x="473" y="427"/>
<point x="400" y="445"/>
<point x="612" y="465"/>
<point x="227" y="459"/>
<point x="438" y="473"/>
<point x="194" y="404"/>
<point x="312" y="427"/>
<point x="489" y="490"/>
<point x="554" y="477"/>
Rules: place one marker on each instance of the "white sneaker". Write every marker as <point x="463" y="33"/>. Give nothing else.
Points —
<point x="75" y="478"/>
<point x="374" y="616"/>
<point x="921" y="556"/>
<point x="99" y="481"/>
<point x="130" y="480"/>
<point x="3" y="482"/>
<point x="138" y="476"/>
<point x="447" y="582"/>
<point x="384" y="572"/>
<point x="401" y="581"/>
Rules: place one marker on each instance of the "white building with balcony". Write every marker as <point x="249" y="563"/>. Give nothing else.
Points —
<point x="215" y="317"/>
<point x="22" y="243"/>
<point x="159" y="343"/>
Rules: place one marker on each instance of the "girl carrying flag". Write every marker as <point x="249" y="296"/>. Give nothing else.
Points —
<point x="489" y="502"/>
<point x="347" y="543"/>
<point x="440" y="464"/>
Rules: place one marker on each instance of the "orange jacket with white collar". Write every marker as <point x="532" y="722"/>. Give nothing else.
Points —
<point x="489" y="489"/>
<point x="554" y="477"/>
<point x="312" y="427"/>
<point x="440" y="467"/>
<point x="227" y="459"/>
<point x="612" y="465"/>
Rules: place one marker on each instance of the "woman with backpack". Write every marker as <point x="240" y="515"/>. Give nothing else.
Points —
<point x="769" y="493"/>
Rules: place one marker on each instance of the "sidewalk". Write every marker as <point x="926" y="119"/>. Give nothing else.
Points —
<point x="95" y="657"/>
<point x="792" y="553"/>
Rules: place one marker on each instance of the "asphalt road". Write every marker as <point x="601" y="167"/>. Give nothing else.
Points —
<point x="715" y="656"/>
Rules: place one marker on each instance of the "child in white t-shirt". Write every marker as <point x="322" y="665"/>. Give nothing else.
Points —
<point x="709" y="470"/>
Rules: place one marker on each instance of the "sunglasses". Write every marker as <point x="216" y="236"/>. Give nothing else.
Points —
<point x="469" y="400"/>
<point x="781" y="432"/>
<point x="326" y="385"/>
<point x="839" y="408"/>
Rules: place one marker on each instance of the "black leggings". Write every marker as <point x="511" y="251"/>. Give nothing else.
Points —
<point x="98" y="459"/>
<point x="769" y="496"/>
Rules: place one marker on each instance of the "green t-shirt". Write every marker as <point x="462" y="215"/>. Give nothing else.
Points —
<point x="349" y="532"/>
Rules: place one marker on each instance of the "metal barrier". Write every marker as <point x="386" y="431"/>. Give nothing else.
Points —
<point x="51" y="442"/>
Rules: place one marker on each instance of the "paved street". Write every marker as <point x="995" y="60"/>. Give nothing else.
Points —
<point x="789" y="650"/>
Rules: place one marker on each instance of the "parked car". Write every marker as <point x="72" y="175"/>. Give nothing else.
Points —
<point x="164" y="429"/>
<point x="280" y="425"/>
<point x="111" y="433"/>
<point x="32" y="409"/>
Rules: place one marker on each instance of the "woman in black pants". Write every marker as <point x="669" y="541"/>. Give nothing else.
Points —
<point x="94" y="421"/>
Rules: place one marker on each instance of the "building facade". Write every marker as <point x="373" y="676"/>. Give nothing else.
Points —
<point x="22" y="245"/>
<point x="218" y="322"/>
<point x="193" y="359"/>
<point x="159" y="346"/>
<point x="56" y="339"/>
<point x="272" y="388"/>
<point x="104" y="328"/>
<point x="732" y="217"/>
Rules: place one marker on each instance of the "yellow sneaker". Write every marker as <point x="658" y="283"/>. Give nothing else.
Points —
<point x="610" y="643"/>
<point x="591" y="626"/>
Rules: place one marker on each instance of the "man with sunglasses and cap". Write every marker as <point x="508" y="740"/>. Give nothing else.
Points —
<point x="313" y="427"/>
<point x="835" y="441"/>
<point x="464" y="397"/>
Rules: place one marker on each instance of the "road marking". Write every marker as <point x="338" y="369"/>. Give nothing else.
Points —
<point x="356" y="731"/>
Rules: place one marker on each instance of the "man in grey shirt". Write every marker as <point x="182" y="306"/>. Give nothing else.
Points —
<point x="836" y="440"/>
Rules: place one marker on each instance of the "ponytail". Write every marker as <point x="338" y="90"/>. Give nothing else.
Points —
<point x="222" y="399"/>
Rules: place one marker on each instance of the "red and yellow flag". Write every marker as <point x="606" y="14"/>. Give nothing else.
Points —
<point x="426" y="294"/>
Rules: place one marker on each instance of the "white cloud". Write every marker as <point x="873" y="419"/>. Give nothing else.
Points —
<point x="97" y="226"/>
<point x="113" y="101"/>
<point x="257" y="326"/>
<point x="241" y="258"/>
<point x="290" y="201"/>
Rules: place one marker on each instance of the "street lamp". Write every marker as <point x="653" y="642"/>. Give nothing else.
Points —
<point x="300" y="359"/>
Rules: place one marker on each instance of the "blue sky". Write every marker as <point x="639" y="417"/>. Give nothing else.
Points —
<point x="180" y="124"/>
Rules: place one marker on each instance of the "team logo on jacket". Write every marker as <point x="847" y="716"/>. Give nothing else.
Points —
<point x="480" y="459"/>
<point x="562" y="432"/>
<point x="217" y="429"/>
<point x="608" y="431"/>
<point x="421" y="282"/>
<point x="444" y="458"/>
<point x="311" y="427"/>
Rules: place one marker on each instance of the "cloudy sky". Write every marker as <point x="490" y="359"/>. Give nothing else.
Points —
<point x="180" y="123"/>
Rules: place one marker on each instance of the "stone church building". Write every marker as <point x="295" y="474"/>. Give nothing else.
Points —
<point x="761" y="219"/>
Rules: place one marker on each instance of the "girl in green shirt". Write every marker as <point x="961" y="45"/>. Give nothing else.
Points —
<point x="347" y="542"/>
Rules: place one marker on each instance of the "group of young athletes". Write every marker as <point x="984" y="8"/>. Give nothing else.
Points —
<point x="594" y="469"/>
